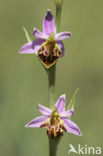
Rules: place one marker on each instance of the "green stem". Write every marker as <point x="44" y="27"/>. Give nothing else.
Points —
<point x="58" y="16"/>
<point x="53" y="145"/>
<point x="51" y="88"/>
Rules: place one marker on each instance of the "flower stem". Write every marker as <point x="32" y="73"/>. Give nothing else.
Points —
<point x="58" y="17"/>
<point x="53" y="145"/>
<point x="51" y="78"/>
<point x="58" y="4"/>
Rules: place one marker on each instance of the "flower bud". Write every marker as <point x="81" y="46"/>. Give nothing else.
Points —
<point x="58" y="3"/>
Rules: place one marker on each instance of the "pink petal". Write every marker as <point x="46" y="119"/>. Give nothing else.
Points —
<point x="32" y="47"/>
<point x="63" y="35"/>
<point x="37" y="122"/>
<point x="60" y="104"/>
<point x="68" y="113"/>
<point x="39" y="34"/>
<point x="49" y="24"/>
<point x="71" y="127"/>
<point x="60" y="43"/>
<point x="44" y="110"/>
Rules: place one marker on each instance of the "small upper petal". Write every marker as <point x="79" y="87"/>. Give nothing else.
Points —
<point x="71" y="127"/>
<point x="61" y="45"/>
<point x="39" y="34"/>
<point x="49" y="24"/>
<point x="37" y="122"/>
<point x="44" y="110"/>
<point x="63" y="35"/>
<point x="32" y="47"/>
<point x="60" y="104"/>
<point x="68" y="113"/>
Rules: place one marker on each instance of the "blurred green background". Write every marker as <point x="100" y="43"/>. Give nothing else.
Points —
<point x="24" y="83"/>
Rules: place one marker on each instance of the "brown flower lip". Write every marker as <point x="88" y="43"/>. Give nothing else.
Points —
<point x="55" y="128"/>
<point x="49" y="53"/>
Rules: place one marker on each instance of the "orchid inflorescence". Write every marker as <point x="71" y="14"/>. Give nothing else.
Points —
<point x="49" y="47"/>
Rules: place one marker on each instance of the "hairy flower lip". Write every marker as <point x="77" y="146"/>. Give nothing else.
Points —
<point x="57" y="121"/>
<point x="49" y="53"/>
<point x="48" y="28"/>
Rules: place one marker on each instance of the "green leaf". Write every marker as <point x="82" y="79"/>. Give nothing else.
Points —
<point x="26" y="34"/>
<point x="72" y="101"/>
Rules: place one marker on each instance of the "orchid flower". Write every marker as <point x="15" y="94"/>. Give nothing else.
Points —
<point x="48" y="45"/>
<point x="56" y="121"/>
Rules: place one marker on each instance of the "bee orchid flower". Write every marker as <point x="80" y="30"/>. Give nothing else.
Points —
<point x="56" y="121"/>
<point x="48" y="45"/>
